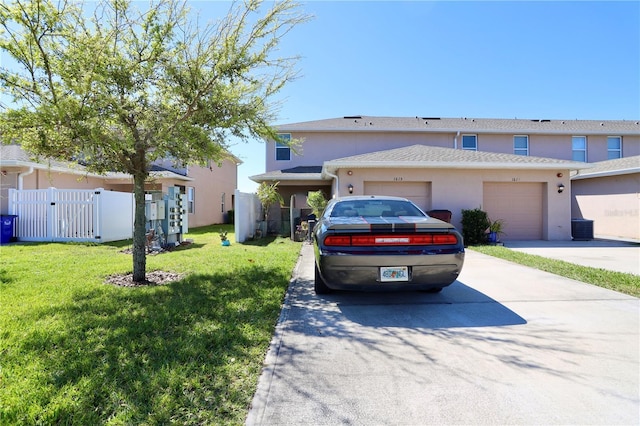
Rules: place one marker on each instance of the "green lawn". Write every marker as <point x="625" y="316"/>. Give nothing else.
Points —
<point x="618" y="281"/>
<point x="74" y="350"/>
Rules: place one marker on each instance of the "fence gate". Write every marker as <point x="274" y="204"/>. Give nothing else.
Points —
<point x="71" y="215"/>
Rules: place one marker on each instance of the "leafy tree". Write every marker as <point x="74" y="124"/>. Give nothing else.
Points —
<point x="116" y="87"/>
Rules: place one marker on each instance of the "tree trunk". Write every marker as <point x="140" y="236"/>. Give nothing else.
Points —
<point x="139" y="230"/>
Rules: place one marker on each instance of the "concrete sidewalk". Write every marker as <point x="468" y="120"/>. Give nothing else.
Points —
<point x="505" y="344"/>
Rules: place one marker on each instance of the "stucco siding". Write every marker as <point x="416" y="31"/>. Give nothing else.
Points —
<point x="211" y="186"/>
<point x="459" y="189"/>
<point x="317" y="148"/>
<point x="613" y="203"/>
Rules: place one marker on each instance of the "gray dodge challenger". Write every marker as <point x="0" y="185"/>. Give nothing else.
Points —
<point x="379" y="242"/>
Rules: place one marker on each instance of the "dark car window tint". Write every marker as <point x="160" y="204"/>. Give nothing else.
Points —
<point x="375" y="208"/>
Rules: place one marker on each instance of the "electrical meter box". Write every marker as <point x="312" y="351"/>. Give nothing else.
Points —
<point x="175" y="221"/>
<point x="151" y="211"/>
<point x="160" y="210"/>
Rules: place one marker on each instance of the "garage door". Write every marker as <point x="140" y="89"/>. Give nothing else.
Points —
<point x="418" y="192"/>
<point x="520" y="205"/>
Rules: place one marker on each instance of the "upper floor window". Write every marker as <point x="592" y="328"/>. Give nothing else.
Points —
<point x="283" y="152"/>
<point x="614" y="147"/>
<point x="579" y="148"/>
<point x="470" y="142"/>
<point x="521" y="145"/>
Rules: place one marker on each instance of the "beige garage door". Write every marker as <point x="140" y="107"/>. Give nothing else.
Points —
<point x="520" y="205"/>
<point x="418" y="192"/>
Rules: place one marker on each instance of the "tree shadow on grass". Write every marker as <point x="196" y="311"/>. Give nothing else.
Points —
<point x="261" y="242"/>
<point x="186" y="353"/>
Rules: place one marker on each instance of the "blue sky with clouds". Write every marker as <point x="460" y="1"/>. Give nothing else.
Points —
<point x="498" y="59"/>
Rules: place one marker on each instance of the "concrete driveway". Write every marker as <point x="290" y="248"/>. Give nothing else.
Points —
<point x="613" y="255"/>
<point x="505" y="344"/>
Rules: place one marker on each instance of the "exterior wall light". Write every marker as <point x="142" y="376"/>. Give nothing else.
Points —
<point x="350" y="188"/>
<point x="560" y="188"/>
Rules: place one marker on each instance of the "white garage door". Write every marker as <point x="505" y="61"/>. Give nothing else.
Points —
<point x="520" y="205"/>
<point x="418" y="192"/>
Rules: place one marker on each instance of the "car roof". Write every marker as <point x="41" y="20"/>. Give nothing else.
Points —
<point x="368" y="197"/>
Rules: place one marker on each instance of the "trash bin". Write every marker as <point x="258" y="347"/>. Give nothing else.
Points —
<point x="582" y="229"/>
<point x="311" y="220"/>
<point x="7" y="224"/>
<point x="444" y="215"/>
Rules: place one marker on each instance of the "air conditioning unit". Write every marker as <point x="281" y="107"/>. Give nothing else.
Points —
<point x="582" y="229"/>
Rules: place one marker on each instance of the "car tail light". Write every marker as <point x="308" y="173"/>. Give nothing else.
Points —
<point x="444" y="239"/>
<point x="390" y="240"/>
<point x="337" y="240"/>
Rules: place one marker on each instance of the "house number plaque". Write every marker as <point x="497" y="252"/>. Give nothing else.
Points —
<point x="398" y="179"/>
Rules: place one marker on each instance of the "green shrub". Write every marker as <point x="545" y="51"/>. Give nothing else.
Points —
<point x="317" y="202"/>
<point x="474" y="225"/>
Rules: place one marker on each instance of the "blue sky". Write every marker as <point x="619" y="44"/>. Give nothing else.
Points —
<point x="485" y="59"/>
<point x="544" y="59"/>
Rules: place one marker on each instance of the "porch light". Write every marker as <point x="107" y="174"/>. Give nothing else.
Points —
<point x="560" y="188"/>
<point x="350" y="188"/>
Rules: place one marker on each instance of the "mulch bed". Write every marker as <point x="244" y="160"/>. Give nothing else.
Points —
<point x="153" y="278"/>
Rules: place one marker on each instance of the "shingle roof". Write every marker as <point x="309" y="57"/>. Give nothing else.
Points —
<point x="619" y="166"/>
<point x="15" y="156"/>
<point x="299" y="173"/>
<point x="465" y="125"/>
<point x="422" y="156"/>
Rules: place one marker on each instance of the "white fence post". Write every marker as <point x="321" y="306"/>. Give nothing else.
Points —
<point x="246" y="211"/>
<point x="51" y="213"/>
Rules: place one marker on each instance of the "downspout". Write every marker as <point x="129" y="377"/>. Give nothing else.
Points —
<point x="455" y="140"/>
<point x="22" y="175"/>
<point x="331" y="175"/>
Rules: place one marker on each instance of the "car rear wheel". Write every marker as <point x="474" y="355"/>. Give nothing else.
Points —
<point x="434" y="290"/>
<point x="319" y="286"/>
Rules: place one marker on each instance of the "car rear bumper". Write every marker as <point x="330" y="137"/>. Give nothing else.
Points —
<point x="344" y="272"/>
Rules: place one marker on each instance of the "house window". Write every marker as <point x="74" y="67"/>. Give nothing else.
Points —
<point x="222" y="203"/>
<point x="521" y="145"/>
<point x="191" y="199"/>
<point x="579" y="148"/>
<point x="470" y="142"/>
<point x="614" y="147"/>
<point x="283" y="152"/>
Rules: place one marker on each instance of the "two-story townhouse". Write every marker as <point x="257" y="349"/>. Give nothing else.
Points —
<point x="517" y="170"/>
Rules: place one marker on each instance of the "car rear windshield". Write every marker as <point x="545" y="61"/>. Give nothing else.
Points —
<point x="371" y="208"/>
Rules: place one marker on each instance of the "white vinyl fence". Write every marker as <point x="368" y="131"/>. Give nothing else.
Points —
<point x="59" y="215"/>
<point x="247" y="211"/>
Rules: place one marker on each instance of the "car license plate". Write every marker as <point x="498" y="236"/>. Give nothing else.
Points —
<point x="394" y="273"/>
